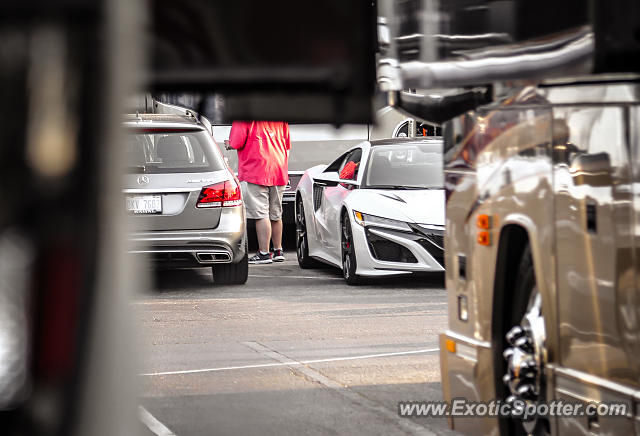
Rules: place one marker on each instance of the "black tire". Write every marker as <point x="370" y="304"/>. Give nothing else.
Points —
<point x="302" y="243"/>
<point x="349" y="262"/>
<point x="232" y="273"/>
<point x="525" y="286"/>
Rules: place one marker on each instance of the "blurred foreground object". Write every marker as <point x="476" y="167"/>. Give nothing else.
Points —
<point x="461" y="50"/>
<point x="539" y="102"/>
<point x="284" y="60"/>
<point x="65" y="339"/>
<point x="64" y="325"/>
<point x="15" y="264"/>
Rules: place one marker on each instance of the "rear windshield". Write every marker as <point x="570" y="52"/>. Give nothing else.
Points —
<point x="170" y="152"/>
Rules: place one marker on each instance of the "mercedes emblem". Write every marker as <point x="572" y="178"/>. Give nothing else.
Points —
<point x="143" y="180"/>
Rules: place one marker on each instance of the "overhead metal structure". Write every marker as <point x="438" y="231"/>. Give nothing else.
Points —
<point x="462" y="44"/>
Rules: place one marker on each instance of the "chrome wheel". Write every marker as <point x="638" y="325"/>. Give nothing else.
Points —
<point x="301" y="248"/>
<point x="349" y="264"/>
<point x="526" y="357"/>
<point x="346" y="267"/>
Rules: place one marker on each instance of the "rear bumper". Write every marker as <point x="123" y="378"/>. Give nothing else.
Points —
<point x="224" y="244"/>
<point x="467" y="372"/>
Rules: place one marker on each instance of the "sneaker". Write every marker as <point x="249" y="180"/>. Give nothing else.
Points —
<point x="278" y="256"/>
<point x="260" y="258"/>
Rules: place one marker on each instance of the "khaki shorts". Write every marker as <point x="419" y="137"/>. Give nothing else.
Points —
<point x="262" y="201"/>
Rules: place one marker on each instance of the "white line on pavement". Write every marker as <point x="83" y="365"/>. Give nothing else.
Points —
<point x="153" y="424"/>
<point x="176" y="301"/>
<point x="295" y="277"/>
<point x="293" y="362"/>
<point x="355" y="398"/>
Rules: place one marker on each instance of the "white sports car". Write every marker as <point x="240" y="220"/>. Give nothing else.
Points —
<point x="377" y="210"/>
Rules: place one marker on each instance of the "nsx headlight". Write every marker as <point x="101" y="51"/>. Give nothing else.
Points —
<point x="371" y="220"/>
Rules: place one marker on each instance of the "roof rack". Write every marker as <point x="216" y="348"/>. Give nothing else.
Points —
<point x="192" y="114"/>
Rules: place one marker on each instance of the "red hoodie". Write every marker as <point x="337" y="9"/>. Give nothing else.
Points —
<point x="263" y="151"/>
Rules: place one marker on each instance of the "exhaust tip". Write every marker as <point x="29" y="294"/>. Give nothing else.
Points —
<point x="213" y="257"/>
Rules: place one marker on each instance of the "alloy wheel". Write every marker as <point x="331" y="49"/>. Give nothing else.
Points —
<point x="301" y="230"/>
<point x="347" y="247"/>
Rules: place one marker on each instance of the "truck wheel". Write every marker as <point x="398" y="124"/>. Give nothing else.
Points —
<point x="525" y="350"/>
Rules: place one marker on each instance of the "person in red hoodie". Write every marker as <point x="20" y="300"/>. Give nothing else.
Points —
<point x="263" y="156"/>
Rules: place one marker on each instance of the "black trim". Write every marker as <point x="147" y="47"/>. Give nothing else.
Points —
<point x="421" y="236"/>
<point x="386" y="250"/>
<point x="440" y="109"/>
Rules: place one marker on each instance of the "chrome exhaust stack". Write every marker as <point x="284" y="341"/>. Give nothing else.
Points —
<point x="452" y="80"/>
<point x="567" y="55"/>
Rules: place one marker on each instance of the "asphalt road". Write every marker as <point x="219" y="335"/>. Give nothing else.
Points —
<point x="292" y="352"/>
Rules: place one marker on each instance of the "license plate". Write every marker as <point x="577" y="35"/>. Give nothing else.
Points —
<point x="144" y="204"/>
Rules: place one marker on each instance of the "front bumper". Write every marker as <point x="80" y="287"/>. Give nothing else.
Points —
<point x="370" y="263"/>
<point x="466" y="367"/>
<point x="189" y="248"/>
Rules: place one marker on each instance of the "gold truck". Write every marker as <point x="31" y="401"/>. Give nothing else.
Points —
<point x="540" y="103"/>
<point x="542" y="248"/>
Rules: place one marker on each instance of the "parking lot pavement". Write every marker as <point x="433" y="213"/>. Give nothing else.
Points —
<point x="291" y="352"/>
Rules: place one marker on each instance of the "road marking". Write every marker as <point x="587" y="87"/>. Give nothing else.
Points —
<point x="176" y="301"/>
<point x="153" y="424"/>
<point x="360" y="400"/>
<point x="293" y="362"/>
<point x="295" y="277"/>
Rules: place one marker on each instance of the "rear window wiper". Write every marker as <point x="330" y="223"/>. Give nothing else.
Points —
<point x="143" y="168"/>
<point x="137" y="169"/>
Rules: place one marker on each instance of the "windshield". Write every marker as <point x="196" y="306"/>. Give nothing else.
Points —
<point x="408" y="166"/>
<point x="165" y="152"/>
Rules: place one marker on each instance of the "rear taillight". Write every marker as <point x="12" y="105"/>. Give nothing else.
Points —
<point x="223" y="194"/>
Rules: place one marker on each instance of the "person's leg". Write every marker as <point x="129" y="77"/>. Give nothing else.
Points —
<point x="275" y="215"/>
<point x="276" y="234"/>
<point x="264" y="231"/>
<point x="256" y="201"/>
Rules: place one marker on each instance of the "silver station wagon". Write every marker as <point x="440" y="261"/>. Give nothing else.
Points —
<point x="185" y="202"/>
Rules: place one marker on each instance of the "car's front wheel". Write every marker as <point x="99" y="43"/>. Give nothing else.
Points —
<point x="349" y="263"/>
<point x="232" y="273"/>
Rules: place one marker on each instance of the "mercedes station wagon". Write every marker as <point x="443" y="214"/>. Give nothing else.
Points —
<point x="185" y="202"/>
